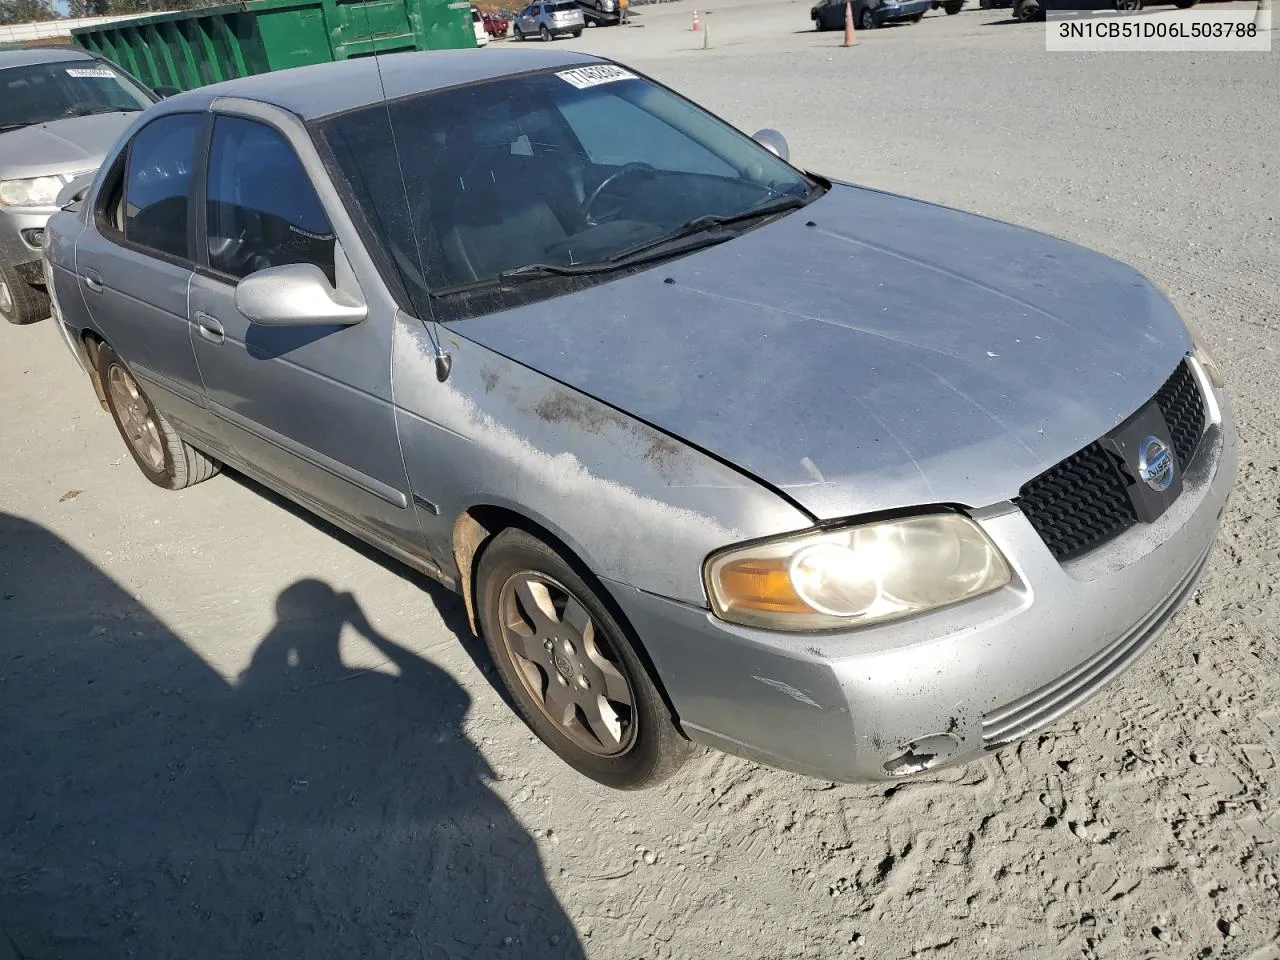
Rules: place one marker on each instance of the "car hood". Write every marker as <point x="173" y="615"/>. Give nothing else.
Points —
<point x="867" y="352"/>
<point x="74" y="145"/>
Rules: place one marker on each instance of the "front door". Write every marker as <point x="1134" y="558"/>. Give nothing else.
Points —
<point x="309" y="407"/>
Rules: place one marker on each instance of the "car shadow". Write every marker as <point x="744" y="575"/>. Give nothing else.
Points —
<point x="151" y="807"/>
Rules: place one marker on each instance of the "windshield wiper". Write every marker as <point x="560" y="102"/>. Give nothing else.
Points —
<point x="94" y="111"/>
<point x="711" y="222"/>
<point x="699" y="232"/>
<point x="620" y="261"/>
<point x="6" y="127"/>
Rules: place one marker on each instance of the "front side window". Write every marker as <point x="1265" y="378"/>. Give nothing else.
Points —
<point x="262" y="208"/>
<point x="157" y="180"/>
<point x="556" y="171"/>
<point x="45" y="92"/>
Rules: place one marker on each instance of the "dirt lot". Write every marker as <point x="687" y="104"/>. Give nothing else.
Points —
<point x="226" y="731"/>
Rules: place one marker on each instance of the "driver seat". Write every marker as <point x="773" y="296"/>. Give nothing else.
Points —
<point x="502" y="210"/>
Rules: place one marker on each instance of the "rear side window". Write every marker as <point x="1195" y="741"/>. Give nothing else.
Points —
<point x="262" y="208"/>
<point x="157" y="182"/>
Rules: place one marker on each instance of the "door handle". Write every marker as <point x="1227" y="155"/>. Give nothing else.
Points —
<point x="209" y="327"/>
<point x="93" y="280"/>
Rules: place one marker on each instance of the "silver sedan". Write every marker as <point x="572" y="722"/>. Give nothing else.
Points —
<point x="715" y="450"/>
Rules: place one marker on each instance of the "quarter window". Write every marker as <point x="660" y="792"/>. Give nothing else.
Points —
<point x="262" y="208"/>
<point x="157" y="181"/>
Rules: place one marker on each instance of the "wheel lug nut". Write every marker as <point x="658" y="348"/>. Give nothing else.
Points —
<point x="547" y="645"/>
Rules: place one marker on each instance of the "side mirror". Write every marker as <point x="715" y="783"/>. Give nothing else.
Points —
<point x="774" y="142"/>
<point x="75" y="191"/>
<point x="296" y="295"/>
<point x="165" y="92"/>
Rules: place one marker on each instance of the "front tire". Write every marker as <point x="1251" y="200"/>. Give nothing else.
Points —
<point x="951" y="9"/>
<point x="21" y="303"/>
<point x="577" y="34"/>
<point x="544" y="33"/>
<point x="517" y="34"/>
<point x="164" y="458"/>
<point x="571" y="668"/>
<point x="866" y="19"/>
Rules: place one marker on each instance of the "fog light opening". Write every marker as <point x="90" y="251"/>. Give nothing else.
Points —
<point x="34" y="237"/>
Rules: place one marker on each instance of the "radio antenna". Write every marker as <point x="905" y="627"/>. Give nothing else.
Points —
<point x="443" y="360"/>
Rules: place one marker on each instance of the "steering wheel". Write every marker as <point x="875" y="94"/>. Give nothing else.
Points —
<point x="632" y="169"/>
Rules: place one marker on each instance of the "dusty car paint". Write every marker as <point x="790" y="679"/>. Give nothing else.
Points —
<point x="849" y="390"/>
<point x="497" y="433"/>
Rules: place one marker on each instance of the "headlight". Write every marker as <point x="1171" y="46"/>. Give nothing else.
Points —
<point x="38" y="192"/>
<point x="1205" y="358"/>
<point x="857" y="575"/>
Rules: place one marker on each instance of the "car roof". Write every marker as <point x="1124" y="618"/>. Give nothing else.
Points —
<point x="33" y="55"/>
<point x="329" y="88"/>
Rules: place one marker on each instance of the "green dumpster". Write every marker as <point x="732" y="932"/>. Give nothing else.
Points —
<point x="196" y="47"/>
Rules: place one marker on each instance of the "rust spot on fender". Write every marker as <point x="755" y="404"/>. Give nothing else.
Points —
<point x="563" y="407"/>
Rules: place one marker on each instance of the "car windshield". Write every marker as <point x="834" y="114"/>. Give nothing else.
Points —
<point x="38" y="93"/>
<point x="563" y="169"/>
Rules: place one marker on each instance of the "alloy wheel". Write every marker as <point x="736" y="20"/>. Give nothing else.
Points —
<point x="136" y="418"/>
<point x="566" y="664"/>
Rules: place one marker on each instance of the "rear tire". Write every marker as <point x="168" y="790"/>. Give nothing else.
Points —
<point x="952" y="8"/>
<point x="164" y="458"/>
<point x="544" y="33"/>
<point x="577" y="34"/>
<point x="866" y="20"/>
<point x="517" y="34"/>
<point x="1185" y="4"/>
<point x="21" y="303"/>
<point x="571" y="668"/>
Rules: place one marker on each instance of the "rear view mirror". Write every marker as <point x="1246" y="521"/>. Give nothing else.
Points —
<point x="75" y="191"/>
<point x="774" y="142"/>
<point x="298" y="294"/>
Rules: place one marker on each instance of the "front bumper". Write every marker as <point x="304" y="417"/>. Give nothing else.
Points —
<point x="16" y="246"/>
<point x="941" y="688"/>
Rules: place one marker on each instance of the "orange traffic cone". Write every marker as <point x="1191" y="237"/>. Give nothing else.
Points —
<point x="849" y="39"/>
<point x="696" y="24"/>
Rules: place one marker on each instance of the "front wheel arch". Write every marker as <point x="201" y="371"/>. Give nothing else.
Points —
<point x="476" y="527"/>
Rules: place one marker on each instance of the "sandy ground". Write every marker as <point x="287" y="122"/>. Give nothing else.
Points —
<point x="226" y="731"/>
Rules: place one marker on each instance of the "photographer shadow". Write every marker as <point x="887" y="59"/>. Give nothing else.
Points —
<point x="149" y="807"/>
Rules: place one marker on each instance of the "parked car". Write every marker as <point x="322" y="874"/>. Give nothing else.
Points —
<point x="477" y="21"/>
<point x="867" y="14"/>
<point x="549" y="20"/>
<point x="712" y="448"/>
<point x="60" y="111"/>
<point x="496" y="25"/>
<point x="601" y="12"/>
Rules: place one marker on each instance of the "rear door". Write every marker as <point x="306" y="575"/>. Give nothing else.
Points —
<point x="134" y="264"/>
<point x="309" y="407"/>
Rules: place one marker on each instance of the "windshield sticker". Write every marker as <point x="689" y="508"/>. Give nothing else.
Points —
<point x="584" y="77"/>
<point x="98" y="72"/>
